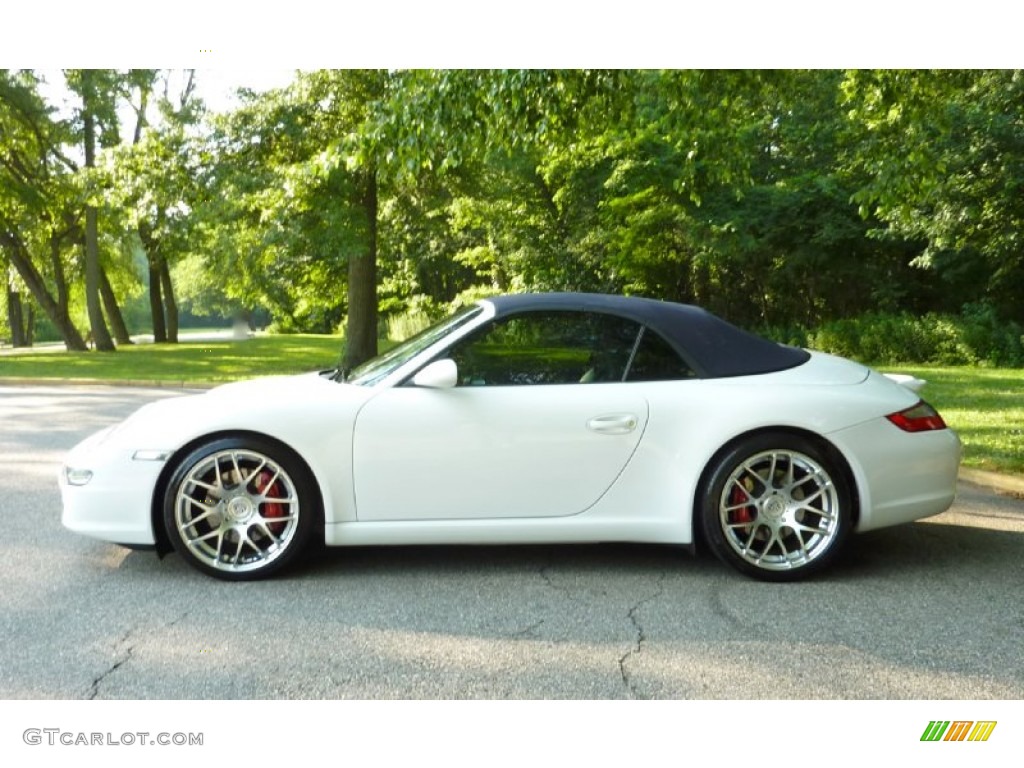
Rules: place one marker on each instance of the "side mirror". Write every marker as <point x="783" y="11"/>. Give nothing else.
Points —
<point x="440" y="374"/>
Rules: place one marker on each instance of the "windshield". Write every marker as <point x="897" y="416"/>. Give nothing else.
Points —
<point x="372" y="371"/>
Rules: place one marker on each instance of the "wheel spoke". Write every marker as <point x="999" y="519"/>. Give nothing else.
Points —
<point x="207" y="486"/>
<point x="803" y="548"/>
<point x="757" y="479"/>
<point x="804" y="527"/>
<point x="281" y="519"/>
<point x="220" y="544"/>
<point x="805" y="502"/>
<point x="822" y="515"/>
<point x="269" y="533"/>
<point x="782" y="545"/>
<point x="255" y="472"/>
<point x="201" y="504"/>
<point x="815" y="476"/>
<point x="765" y="549"/>
<point x="748" y="546"/>
<point x="206" y="536"/>
<point x="270" y="483"/>
<point x="207" y="511"/>
<point x="735" y="507"/>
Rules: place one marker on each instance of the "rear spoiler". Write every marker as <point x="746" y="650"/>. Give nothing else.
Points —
<point x="910" y="382"/>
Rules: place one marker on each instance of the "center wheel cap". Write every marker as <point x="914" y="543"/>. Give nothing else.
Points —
<point x="774" y="507"/>
<point x="240" y="509"/>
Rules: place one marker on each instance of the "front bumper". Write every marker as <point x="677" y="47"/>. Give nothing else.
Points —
<point x="115" y="504"/>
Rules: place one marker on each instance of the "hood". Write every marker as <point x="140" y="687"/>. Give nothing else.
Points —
<point x="249" y="404"/>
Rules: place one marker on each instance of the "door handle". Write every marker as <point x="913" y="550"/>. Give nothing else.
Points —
<point x="613" y="424"/>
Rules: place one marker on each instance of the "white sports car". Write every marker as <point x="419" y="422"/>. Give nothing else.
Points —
<point x="536" y="418"/>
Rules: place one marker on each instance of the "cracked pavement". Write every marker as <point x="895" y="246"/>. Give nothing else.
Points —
<point x="641" y="638"/>
<point x="927" y="611"/>
<point x="122" y="658"/>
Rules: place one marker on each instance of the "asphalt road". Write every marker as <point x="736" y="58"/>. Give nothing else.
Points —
<point x="932" y="610"/>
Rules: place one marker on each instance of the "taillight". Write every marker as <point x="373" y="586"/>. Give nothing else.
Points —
<point x="918" y="418"/>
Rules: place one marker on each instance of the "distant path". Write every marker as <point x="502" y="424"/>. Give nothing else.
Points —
<point x="45" y="347"/>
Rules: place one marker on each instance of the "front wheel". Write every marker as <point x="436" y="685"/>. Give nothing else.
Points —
<point x="240" y="508"/>
<point x="776" y="507"/>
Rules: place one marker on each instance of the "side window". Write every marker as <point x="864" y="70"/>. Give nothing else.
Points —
<point x="655" y="360"/>
<point x="547" y="348"/>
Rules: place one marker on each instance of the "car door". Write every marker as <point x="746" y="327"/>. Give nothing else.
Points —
<point x="539" y="425"/>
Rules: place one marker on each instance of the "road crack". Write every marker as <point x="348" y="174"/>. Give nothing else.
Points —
<point x="122" y="655"/>
<point x="641" y="638"/>
<point x="544" y="574"/>
<point x="121" y="658"/>
<point x="529" y="631"/>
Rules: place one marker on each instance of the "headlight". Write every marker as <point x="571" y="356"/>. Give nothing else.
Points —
<point x="77" y="476"/>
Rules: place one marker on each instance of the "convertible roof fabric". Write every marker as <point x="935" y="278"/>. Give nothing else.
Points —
<point x="712" y="347"/>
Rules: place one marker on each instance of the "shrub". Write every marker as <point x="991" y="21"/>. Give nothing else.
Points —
<point x="977" y="336"/>
<point x="420" y="312"/>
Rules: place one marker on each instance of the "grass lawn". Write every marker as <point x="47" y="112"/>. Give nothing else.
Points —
<point x="189" y="361"/>
<point x="984" y="405"/>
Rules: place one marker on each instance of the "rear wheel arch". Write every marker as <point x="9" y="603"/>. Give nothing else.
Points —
<point x="826" y="446"/>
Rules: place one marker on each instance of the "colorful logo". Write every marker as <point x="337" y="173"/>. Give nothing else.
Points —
<point x="958" y="730"/>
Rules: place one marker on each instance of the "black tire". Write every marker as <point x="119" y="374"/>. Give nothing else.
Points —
<point x="776" y="507"/>
<point x="241" y="508"/>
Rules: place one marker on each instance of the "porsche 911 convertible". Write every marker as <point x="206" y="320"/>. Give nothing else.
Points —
<point x="534" y="418"/>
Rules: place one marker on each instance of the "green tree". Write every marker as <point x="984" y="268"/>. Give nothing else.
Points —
<point x="273" y="220"/>
<point x="37" y="206"/>
<point x="154" y="184"/>
<point x="943" y="157"/>
<point x="97" y="90"/>
<point x="298" y="200"/>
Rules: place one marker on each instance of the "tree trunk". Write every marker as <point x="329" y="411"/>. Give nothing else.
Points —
<point x="57" y="313"/>
<point x="100" y="334"/>
<point x="170" y="305"/>
<point x="112" y="310"/>
<point x="15" y="319"/>
<point x="156" y="263"/>
<point x="361" y="326"/>
<point x="57" y="268"/>
<point x="156" y="302"/>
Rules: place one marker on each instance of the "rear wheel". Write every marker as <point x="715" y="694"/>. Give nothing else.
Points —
<point x="240" y="508"/>
<point x="776" y="507"/>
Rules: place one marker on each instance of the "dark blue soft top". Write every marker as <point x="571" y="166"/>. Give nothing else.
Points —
<point x="712" y="347"/>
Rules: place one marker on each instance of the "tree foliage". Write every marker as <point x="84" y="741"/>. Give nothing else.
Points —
<point x="781" y="200"/>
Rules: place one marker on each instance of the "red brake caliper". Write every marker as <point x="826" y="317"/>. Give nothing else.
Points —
<point x="741" y="515"/>
<point x="271" y="509"/>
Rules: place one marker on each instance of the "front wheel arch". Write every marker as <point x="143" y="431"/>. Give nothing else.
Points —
<point x="160" y="534"/>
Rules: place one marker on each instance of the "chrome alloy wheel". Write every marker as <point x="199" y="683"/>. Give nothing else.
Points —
<point x="779" y="510"/>
<point x="236" y="510"/>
